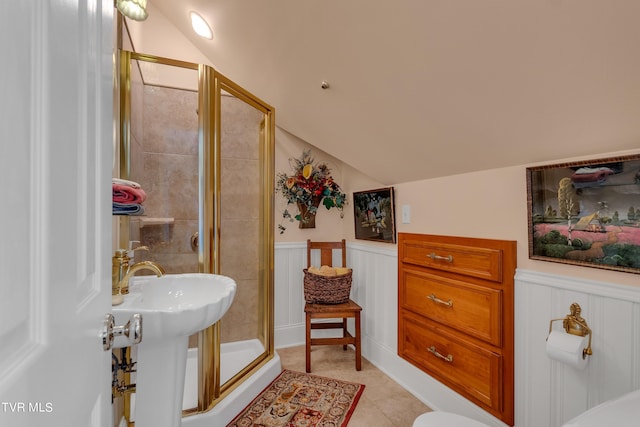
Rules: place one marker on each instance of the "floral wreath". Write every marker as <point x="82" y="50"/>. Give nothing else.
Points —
<point x="309" y="185"/>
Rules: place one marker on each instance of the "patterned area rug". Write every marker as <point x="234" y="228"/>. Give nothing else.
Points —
<point x="296" y="399"/>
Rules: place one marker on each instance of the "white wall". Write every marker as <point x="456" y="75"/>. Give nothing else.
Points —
<point x="488" y="204"/>
<point x="330" y="226"/>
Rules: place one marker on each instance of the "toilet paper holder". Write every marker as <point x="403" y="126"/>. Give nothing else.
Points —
<point x="575" y="324"/>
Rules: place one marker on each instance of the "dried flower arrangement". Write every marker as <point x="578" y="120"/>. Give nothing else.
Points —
<point x="309" y="185"/>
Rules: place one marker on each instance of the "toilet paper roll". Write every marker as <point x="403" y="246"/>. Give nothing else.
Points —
<point x="567" y="348"/>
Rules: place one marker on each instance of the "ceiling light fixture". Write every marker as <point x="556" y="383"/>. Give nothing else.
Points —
<point x="200" y="26"/>
<point x="134" y="9"/>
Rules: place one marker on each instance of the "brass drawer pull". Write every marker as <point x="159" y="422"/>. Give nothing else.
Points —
<point x="448" y="358"/>
<point x="433" y="256"/>
<point x="437" y="300"/>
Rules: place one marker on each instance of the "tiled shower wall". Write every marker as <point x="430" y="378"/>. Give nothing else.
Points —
<point x="164" y="152"/>
<point x="169" y="156"/>
<point x="239" y="217"/>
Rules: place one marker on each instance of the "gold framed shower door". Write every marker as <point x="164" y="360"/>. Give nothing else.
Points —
<point x="212" y="87"/>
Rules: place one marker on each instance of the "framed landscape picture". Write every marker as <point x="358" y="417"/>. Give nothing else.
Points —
<point x="586" y="213"/>
<point x="374" y="215"/>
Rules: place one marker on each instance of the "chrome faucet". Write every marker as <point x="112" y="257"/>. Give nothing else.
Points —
<point x="121" y="270"/>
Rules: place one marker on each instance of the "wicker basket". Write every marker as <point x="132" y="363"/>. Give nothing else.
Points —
<point x="320" y="289"/>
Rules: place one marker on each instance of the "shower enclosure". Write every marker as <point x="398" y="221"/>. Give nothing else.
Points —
<point x="202" y="148"/>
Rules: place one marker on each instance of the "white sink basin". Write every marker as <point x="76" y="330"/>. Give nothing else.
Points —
<point x="173" y="307"/>
<point x="175" y="304"/>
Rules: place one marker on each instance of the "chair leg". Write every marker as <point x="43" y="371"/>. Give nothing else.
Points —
<point x="345" y="332"/>
<point x="307" y="349"/>
<point x="358" y="343"/>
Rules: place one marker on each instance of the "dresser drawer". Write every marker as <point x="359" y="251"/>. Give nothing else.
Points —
<point x="471" y="261"/>
<point x="455" y="297"/>
<point x="473" y="371"/>
<point x="471" y="309"/>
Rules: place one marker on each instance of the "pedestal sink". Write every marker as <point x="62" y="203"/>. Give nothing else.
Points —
<point x="173" y="307"/>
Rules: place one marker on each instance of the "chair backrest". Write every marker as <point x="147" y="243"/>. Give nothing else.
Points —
<point x="326" y="252"/>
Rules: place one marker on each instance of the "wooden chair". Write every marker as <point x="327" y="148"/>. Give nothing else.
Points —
<point x="343" y="311"/>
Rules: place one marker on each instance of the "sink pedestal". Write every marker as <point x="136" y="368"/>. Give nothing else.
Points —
<point x="161" y="366"/>
<point x="173" y="307"/>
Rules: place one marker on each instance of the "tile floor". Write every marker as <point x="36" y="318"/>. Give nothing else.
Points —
<point x="384" y="403"/>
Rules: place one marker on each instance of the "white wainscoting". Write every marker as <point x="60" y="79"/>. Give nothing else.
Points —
<point x="547" y="392"/>
<point x="550" y="393"/>
<point x="375" y="288"/>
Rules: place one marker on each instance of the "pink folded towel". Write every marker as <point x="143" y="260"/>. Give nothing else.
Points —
<point x="125" y="182"/>
<point x="127" y="194"/>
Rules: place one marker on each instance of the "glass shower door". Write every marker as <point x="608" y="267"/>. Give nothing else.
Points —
<point x="202" y="148"/>
<point x="242" y="330"/>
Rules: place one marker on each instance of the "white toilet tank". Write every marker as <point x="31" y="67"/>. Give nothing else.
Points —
<point x="621" y="412"/>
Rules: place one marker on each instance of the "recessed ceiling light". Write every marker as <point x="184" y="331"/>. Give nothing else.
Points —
<point x="200" y="26"/>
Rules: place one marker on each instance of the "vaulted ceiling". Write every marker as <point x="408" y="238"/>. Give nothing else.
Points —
<point x="428" y="88"/>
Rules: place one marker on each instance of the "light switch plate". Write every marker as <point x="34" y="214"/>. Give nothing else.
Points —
<point x="406" y="214"/>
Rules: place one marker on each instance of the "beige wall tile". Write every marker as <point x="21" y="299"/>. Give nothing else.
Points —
<point x="165" y="162"/>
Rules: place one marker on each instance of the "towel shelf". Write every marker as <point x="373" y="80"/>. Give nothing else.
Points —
<point x="146" y="221"/>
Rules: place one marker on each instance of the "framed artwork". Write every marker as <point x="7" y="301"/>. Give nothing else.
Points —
<point x="586" y="213"/>
<point x="374" y="215"/>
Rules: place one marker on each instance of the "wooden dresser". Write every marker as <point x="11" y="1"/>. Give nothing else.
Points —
<point x="455" y="315"/>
